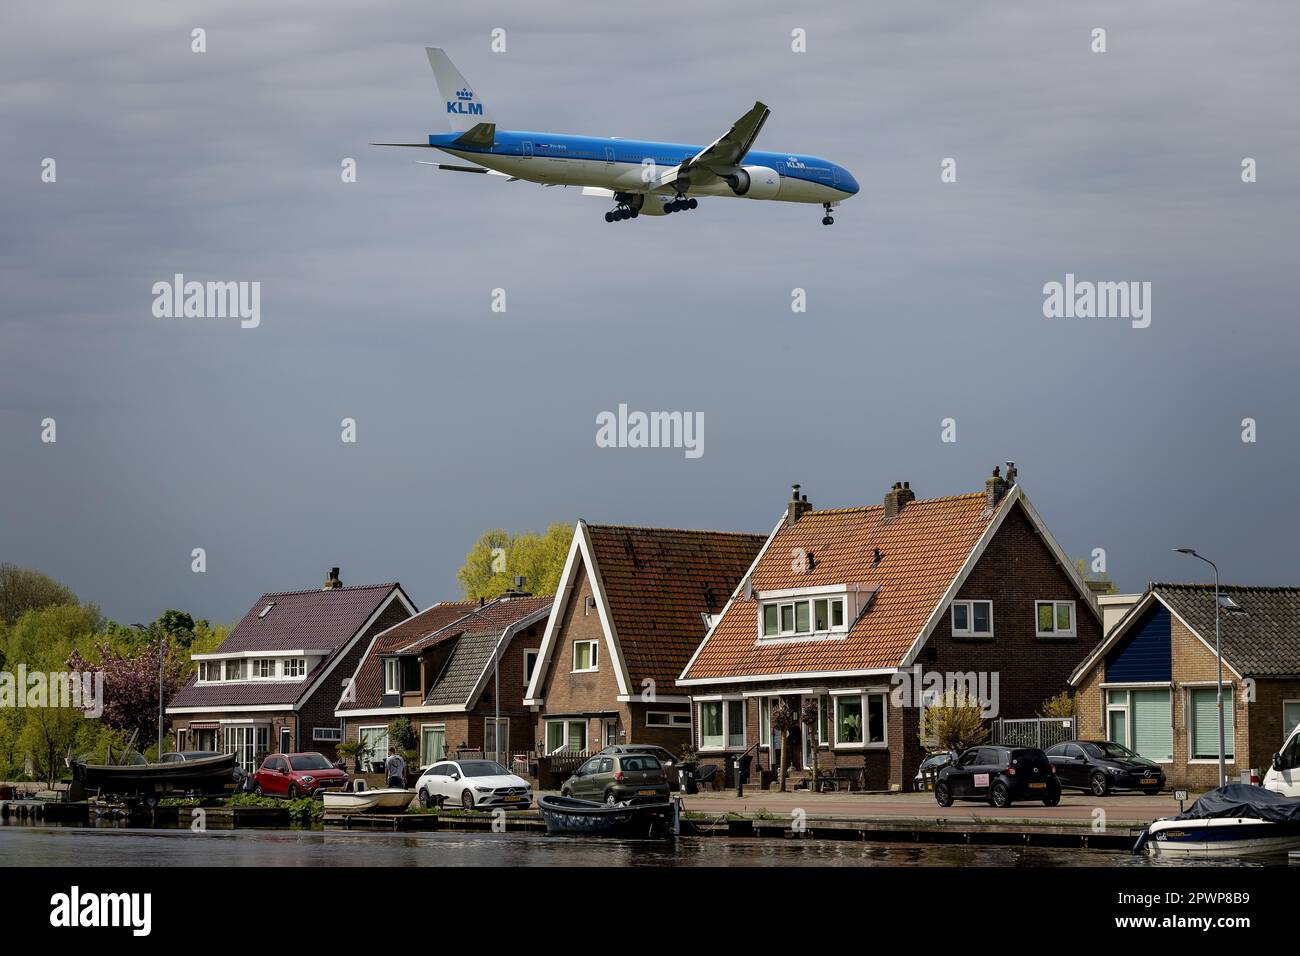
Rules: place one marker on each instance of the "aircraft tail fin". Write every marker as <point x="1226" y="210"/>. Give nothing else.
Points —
<point x="464" y="108"/>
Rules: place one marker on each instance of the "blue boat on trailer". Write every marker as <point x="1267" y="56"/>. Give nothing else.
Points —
<point x="1236" y="820"/>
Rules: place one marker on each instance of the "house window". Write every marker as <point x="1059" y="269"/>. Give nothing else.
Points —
<point x="1290" y="717"/>
<point x="376" y="741"/>
<point x="392" y="675"/>
<point x="264" y="667"/>
<point x="234" y="670"/>
<point x="295" y="666"/>
<point x="496" y="737"/>
<point x="433" y="743"/>
<point x="1054" y="618"/>
<point x="585" y="655"/>
<point x="248" y="742"/>
<point x="206" y="673"/>
<point x="530" y="662"/>
<point x="795" y="618"/>
<point x="972" y="618"/>
<point x="860" y="720"/>
<point x="1204" y="723"/>
<point x="722" y="725"/>
<point x="667" y="718"/>
<point x="1142" y="720"/>
<point x="569" y="736"/>
<point x="823" y="719"/>
<point x="764" y="721"/>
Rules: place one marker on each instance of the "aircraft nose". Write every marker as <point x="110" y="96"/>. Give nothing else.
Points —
<point x="848" y="183"/>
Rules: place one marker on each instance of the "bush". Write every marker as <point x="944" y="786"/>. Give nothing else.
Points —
<point x="955" y="723"/>
<point x="1062" y="705"/>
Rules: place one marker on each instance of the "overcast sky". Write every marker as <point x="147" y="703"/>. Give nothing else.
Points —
<point x="924" y="299"/>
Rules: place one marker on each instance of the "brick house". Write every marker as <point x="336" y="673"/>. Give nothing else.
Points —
<point x="1151" y="685"/>
<point x="632" y="606"/>
<point x="457" y="671"/>
<point x="272" y="685"/>
<point x="869" y="612"/>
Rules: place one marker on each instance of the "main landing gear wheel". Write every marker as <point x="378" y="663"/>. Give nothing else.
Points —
<point x="827" y="219"/>
<point x="681" y="203"/>
<point x="621" y="213"/>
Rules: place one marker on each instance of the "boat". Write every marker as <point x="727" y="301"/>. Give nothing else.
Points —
<point x="1237" y="820"/>
<point x="390" y="800"/>
<point x="568" y="815"/>
<point x="131" y="776"/>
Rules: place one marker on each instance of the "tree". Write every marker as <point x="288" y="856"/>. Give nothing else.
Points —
<point x="954" y="722"/>
<point x="131" y="684"/>
<point x="1062" y="705"/>
<point x="498" y="557"/>
<point x="48" y="734"/>
<point x="23" y="590"/>
<point x="785" y="720"/>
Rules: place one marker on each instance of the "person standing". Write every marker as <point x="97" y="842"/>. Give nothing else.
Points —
<point x="395" y="769"/>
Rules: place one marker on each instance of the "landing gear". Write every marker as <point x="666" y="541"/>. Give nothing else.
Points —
<point x="681" y="203"/>
<point x="827" y="219"/>
<point x="629" y="207"/>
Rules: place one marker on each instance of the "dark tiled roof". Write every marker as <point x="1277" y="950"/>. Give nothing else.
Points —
<point x="496" y="615"/>
<point x="369" y="678"/>
<point x="318" y="619"/>
<point x="1262" y="642"/>
<point x="459" y="677"/>
<point x="658" y="582"/>
<point x="922" y="550"/>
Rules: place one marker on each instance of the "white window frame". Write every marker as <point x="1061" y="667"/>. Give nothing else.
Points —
<point x="564" y="721"/>
<point x="793" y="632"/>
<point x="723" y="703"/>
<point x="1074" y="623"/>
<point x="1229" y="739"/>
<point x="863" y="698"/>
<point x="595" y="656"/>
<point x="1286" y="735"/>
<point x="672" y="720"/>
<point x="225" y="668"/>
<point x="534" y="653"/>
<point x="292" y="668"/>
<point x="394" y="665"/>
<point x="376" y="754"/>
<point x="1127" y="708"/>
<point x="970" y="618"/>
<point x="260" y="664"/>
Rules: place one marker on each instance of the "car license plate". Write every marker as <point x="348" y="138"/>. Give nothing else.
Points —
<point x="514" y="798"/>
<point x="1037" y="786"/>
<point x="1148" y="781"/>
<point x="646" y="793"/>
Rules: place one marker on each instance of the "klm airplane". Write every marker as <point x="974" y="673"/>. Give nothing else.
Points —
<point x="641" y="177"/>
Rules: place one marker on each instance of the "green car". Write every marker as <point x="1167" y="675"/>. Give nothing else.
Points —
<point x="619" y="778"/>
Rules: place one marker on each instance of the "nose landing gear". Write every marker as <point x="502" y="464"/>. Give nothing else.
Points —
<point x="827" y="219"/>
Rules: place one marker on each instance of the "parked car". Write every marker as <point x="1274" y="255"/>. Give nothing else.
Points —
<point x="1000" y="775"/>
<point x="1100" y="766"/>
<point x="619" y="778"/>
<point x="671" y="762"/>
<point x="1283" y="775"/>
<point x="474" y="784"/>
<point x="297" y="775"/>
<point x="932" y="763"/>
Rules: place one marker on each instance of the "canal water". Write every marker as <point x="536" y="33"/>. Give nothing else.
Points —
<point x="26" y="845"/>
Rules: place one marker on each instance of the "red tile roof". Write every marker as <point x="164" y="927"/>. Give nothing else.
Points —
<point x="922" y="551"/>
<point x="658" y="582"/>
<point x="319" y="619"/>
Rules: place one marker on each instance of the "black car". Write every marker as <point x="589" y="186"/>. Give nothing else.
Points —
<point x="999" y="775"/>
<point x="1100" y="766"/>
<point x="665" y="757"/>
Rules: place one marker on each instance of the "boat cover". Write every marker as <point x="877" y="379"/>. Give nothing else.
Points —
<point x="1244" y="800"/>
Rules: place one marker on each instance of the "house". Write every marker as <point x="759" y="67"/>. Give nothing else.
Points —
<point x="632" y="606"/>
<point x="1151" y="685"/>
<point x="869" y="613"/>
<point x="272" y="684"/>
<point x="457" y="671"/>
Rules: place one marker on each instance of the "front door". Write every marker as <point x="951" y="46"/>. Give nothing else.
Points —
<point x="528" y="149"/>
<point x="609" y="731"/>
<point x="285" y="740"/>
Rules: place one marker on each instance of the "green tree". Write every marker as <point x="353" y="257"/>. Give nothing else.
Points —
<point x="498" y="556"/>
<point x="1062" y="705"/>
<point x="23" y="590"/>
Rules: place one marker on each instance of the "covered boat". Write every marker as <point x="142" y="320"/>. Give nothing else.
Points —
<point x="1235" y="820"/>
<point x="129" y="775"/>
<point x="389" y="800"/>
<point x="572" y="816"/>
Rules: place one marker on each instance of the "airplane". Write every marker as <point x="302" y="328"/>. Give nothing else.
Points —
<point x="642" y="177"/>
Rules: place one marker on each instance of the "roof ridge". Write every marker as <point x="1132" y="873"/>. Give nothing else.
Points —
<point x="347" y="587"/>
<point x="633" y="527"/>
<point x="1173" y="586"/>
<point x="911" y="504"/>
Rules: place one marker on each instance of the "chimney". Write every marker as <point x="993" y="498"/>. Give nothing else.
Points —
<point x="897" y="497"/>
<point x="332" y="581"/>
<point x="797" y="508"/>
<point x="995" y="487"/>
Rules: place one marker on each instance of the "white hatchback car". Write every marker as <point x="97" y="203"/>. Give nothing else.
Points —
<point x="473" y="785"/>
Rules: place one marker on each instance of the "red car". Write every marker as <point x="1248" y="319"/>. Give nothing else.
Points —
<point x="297" y="775"/>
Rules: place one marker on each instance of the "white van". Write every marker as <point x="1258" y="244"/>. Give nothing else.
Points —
<point x="1284" y="776"/>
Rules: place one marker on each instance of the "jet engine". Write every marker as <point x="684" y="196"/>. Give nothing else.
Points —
<point x="753" y="182"/>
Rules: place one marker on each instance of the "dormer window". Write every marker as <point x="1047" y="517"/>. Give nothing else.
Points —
<point x="392" y="676"/>
<point x="234" y="669"/>
<point x="294" y="666"/>
<point x="802" y="618"/>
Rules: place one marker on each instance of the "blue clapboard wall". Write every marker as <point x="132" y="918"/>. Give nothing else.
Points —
<point x="1144" y="652"/>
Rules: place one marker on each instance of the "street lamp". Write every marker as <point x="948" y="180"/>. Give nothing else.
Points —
<point x="1218" y="652"/>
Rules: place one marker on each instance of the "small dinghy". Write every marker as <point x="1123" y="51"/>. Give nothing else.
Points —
<point x="1236" y="820"/>
<point x="572" y="816"/>
<point x="389" y="800"/>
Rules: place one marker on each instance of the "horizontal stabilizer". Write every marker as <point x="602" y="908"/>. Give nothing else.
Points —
<point x="412" y="145"/>
<point x="453" y="168"/>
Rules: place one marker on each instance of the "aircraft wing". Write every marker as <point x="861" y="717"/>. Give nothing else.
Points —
<point x="725" y="152"/>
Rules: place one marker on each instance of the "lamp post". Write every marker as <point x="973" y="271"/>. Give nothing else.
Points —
<point x="1218" y="653"/>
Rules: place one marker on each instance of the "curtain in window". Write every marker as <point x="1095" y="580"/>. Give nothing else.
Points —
<point x="1153" y="734"/>
<point x="711" y="724"/>
<point x="736" y="724"/>
<point x="433" y="745"/>
<point x="1205" y="723"/>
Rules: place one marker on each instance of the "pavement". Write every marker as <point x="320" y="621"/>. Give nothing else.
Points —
<point x="1073" y="808"/>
